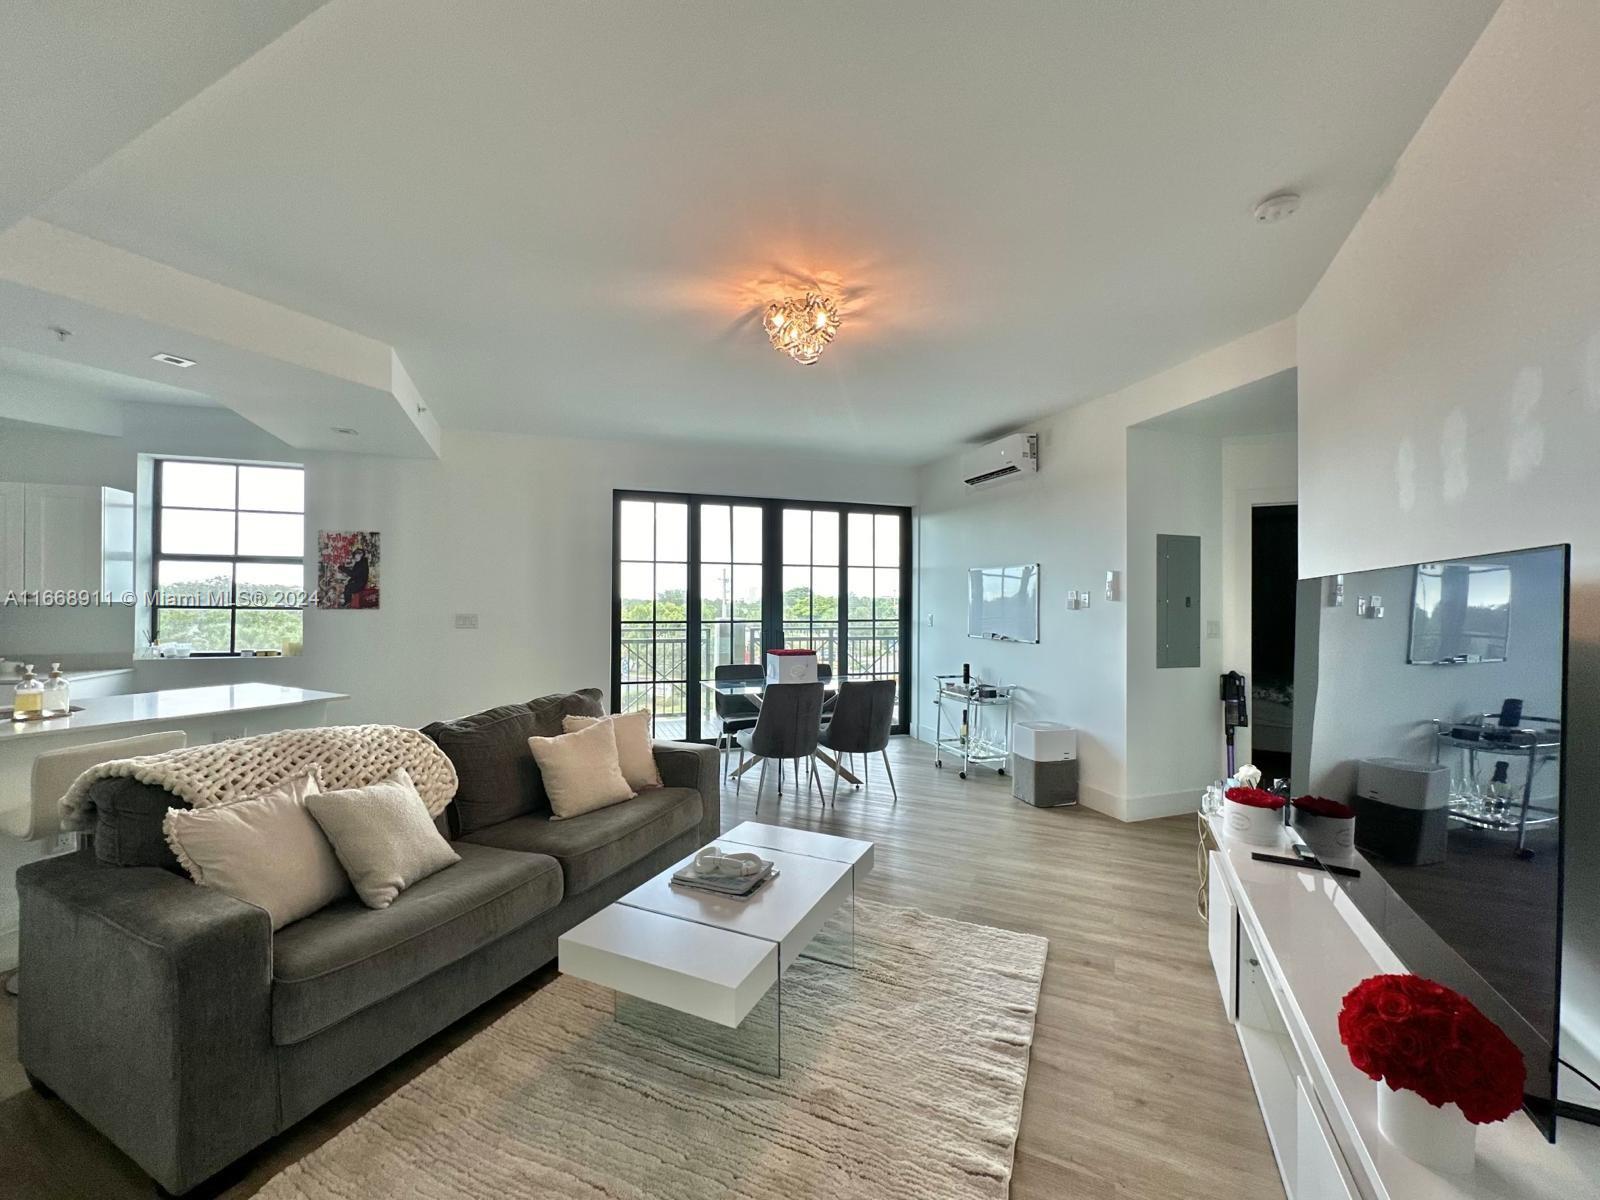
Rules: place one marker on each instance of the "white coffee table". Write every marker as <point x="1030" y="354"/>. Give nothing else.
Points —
<point x="706" y="971"/>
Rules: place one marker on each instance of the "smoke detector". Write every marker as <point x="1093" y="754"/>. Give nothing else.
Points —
<point x="1276" y="207"/>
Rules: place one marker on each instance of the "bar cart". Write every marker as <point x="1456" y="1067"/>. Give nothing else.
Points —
<point x="985" y="710"/>
<point x="1535" y="739"/>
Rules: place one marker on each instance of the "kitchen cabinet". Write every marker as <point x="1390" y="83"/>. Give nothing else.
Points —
<point x="65" y="537"/>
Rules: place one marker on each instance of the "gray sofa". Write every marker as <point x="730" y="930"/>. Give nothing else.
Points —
<point x="173" y="1020"/>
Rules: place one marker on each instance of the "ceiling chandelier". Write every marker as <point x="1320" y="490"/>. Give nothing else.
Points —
<point x="802" y="328"/>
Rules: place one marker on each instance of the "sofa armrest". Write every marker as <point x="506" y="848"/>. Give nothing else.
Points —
<point x="691" y="765"/>
<point x="146" y="1005"/>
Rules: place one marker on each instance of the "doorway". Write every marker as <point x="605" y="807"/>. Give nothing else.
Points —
<point x="1274" y="579"/>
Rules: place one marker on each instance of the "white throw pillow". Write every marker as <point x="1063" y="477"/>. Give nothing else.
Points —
<point x="635" y="751"/>
<point x="580" y="770"/>
<point x="383" y="836"/>
<point x="266" y="851"/>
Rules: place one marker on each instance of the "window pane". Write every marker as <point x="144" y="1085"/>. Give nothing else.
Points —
<point x="797" y="592"/>
<point x="672" y="652"/>
<point x="268" y="585"/>
<point x="637" y="536"/>
<point x="638" y="653"/>
<point x="716" y="593"/>
<point x="184" y="531"/>
<point x="670" y="710"/>
<point x="796" y="535"/>
<point x="746" y="534"/>
<point x="746" y="642"/>
<point x="277" y="535"/>
<point x="716" y="543"/>
<point x="280" y="489"/>
<point x="672" y="532"/>
<point x="268" y="629"/>
<point x="197" y="485"/>
<point x="886" y="547"/>
<point x="825" y="539"/>
<point x="747" y="592"/>
<point x="634" y="698"/>
<point x="672" y="592"/>
<point x="203" y="630"/>
<point x="714" y="647"/>
<point x="637" y="581"/>
<point x="860" y="539"/>
<point x="860" y="589"/>
<point x="888" y="593"/>
<point x="825" y="594"/>
<point x="199" y="584"/>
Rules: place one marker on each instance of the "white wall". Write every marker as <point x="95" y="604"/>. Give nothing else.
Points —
<point x="1450" y="377"/>
<point x="1072" y="518"/>
<point x="1174" y="717"/>
<point x="515" y="529"/>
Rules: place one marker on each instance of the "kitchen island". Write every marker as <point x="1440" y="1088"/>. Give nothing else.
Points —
<point x="204" y="714"/>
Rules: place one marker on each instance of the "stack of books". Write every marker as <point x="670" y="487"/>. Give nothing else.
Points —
<point x="724" y="885"/>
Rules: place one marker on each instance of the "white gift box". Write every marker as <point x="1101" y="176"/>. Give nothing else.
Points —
<point x="1251" y="825"/>
<point x="792" y="667"/>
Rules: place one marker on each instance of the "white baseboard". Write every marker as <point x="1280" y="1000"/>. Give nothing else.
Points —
<point x="9" y="949"/>
<point x="1168" y="804"/>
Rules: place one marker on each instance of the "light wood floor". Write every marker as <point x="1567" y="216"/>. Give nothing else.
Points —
<point x="1137" y="1089"/>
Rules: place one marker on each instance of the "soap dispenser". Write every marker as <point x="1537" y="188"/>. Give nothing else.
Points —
<point x="28" y="702"/>
<point x="57" y="701"/>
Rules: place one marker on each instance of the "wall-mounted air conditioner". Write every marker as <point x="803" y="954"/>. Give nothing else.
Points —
<point x="1005" y="459"/>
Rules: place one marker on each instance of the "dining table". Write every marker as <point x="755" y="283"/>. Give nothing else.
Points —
<point x="754" y="691"/>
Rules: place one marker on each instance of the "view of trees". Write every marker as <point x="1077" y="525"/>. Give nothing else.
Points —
<point x="798" y="605"/>
<point x="180" y="620"/>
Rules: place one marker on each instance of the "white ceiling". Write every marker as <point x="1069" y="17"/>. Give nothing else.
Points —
<point x="563" y="215"/>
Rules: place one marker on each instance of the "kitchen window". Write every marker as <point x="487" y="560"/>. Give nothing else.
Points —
<point x="228" y="557"/>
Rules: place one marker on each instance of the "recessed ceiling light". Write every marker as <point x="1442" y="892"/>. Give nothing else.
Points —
<point x="344" y="429"/>
<point x="172" y="360"/>
<point x="1277" y="206"/>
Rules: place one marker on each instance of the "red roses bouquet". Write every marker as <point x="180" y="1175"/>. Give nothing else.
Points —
<point x="1252" y="797"/>
<point x="1321" y="806"/>
<point x="1420" y="1036"/>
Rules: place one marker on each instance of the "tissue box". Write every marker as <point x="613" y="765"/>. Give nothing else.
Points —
<point x="791" y="666"/>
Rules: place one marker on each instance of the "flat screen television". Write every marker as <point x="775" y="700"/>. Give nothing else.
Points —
<point x="1455" y="674"/>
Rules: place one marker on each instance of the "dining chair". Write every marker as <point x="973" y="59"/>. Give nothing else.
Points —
<point x="734" y="712"/>
<point x="860" y="725"/>
<point x="787" y="726"/>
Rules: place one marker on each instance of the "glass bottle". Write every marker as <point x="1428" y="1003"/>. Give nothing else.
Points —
<point x="28" y="701"/>
<point x="57" y="693"/>
<point x="1500" y="789"/>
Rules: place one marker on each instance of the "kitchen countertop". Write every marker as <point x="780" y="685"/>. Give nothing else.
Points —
<point x="173" y="704"/>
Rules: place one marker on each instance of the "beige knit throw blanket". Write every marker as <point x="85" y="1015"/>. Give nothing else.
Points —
<point x="346" y="756"/>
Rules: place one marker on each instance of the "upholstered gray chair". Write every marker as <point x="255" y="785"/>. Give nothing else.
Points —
<point x="735" y="712"/>
<point x="860" y="725"/>
<point x="788" y="726"/>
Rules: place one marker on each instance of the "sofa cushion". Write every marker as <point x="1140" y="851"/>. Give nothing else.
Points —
<point x="497" y="778"/>
<point x="596" y="845"/>
<point x="127" y="823"/>
<point x="341" y="960"/>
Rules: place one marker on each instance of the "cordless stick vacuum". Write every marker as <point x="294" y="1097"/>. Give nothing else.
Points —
<point x="1235" y="713"/>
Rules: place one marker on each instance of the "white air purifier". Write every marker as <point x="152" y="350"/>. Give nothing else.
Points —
<point x="1044" y="764"/>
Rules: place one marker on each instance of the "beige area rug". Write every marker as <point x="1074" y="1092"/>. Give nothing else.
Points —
<point x="902" y="1078"/>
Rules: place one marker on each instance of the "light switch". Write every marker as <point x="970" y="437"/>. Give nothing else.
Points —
<point x="1213" y="630"/>
<point x="466" y="620"/>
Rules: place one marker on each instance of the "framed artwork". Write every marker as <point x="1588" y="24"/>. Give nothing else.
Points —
<point x="347" y="569"/>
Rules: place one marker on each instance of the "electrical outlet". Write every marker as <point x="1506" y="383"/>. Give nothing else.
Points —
<point x="466" y="620"/>
<point x="63" y="843"/>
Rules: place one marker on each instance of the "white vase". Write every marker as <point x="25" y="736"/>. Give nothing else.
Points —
<point x="1440" y="1138"/>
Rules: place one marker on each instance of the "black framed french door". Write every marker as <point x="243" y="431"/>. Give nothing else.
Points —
<point x="704" y="580"/>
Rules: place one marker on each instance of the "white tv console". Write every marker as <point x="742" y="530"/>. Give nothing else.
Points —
<point x="1287" y="945"/>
